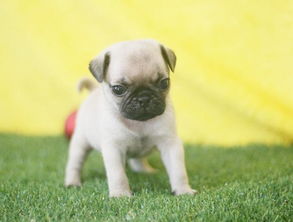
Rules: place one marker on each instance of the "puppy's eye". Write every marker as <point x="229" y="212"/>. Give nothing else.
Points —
<point x="164" y="84"/>
<point x="119" y="90"/>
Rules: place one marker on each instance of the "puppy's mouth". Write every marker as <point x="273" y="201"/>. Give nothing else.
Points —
<point x="143" y="107"/>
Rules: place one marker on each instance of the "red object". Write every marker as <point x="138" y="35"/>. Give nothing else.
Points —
<point x="70" y="124"/>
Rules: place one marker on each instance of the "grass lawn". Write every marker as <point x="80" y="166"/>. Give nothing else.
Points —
<point x="252" y="183"/>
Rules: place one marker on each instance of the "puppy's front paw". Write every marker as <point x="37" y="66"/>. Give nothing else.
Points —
<point x="120" y="193"/>
<point x="186" y="190"/>
<point x="72" y="182"/>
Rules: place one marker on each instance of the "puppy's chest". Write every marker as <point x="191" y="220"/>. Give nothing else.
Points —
<point x="139" y="146"/>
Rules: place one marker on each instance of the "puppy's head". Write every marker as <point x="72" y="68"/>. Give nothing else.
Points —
<point x="135" y="75"/>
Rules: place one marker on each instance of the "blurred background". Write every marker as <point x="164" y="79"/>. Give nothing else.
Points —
<point x="232" y="84"/>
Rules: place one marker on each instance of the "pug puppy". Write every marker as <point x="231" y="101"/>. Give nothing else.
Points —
<point x="128" y="115"/>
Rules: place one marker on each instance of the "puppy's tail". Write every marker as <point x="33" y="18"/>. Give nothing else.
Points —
<point x="86" y="83"/>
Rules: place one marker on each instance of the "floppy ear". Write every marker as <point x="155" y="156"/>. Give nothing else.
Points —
<point x="169" y="57"/>
<point x="99" y="66"/>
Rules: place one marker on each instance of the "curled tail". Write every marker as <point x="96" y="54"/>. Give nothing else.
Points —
<point x="86" y="83"/>
<point x="69" y="125"/>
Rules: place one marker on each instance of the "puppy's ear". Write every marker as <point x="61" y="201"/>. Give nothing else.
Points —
<point x="169" y="57"/>
<point x="99" y="66"/>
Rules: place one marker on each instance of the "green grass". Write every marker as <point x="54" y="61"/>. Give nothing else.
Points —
<point x="252" y="183"/>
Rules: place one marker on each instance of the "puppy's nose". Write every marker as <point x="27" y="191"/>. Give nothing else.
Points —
<point x="143" y="99"/>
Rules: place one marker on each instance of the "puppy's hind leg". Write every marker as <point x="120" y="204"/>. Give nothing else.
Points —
<point x="78" y="150"/>
<point x="141" y="165"/>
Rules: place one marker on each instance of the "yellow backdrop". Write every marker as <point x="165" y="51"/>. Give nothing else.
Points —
<point x="232" y="83"/>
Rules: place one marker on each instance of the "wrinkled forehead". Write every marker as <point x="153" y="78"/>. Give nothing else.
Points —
<point x="135" y="65"/>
